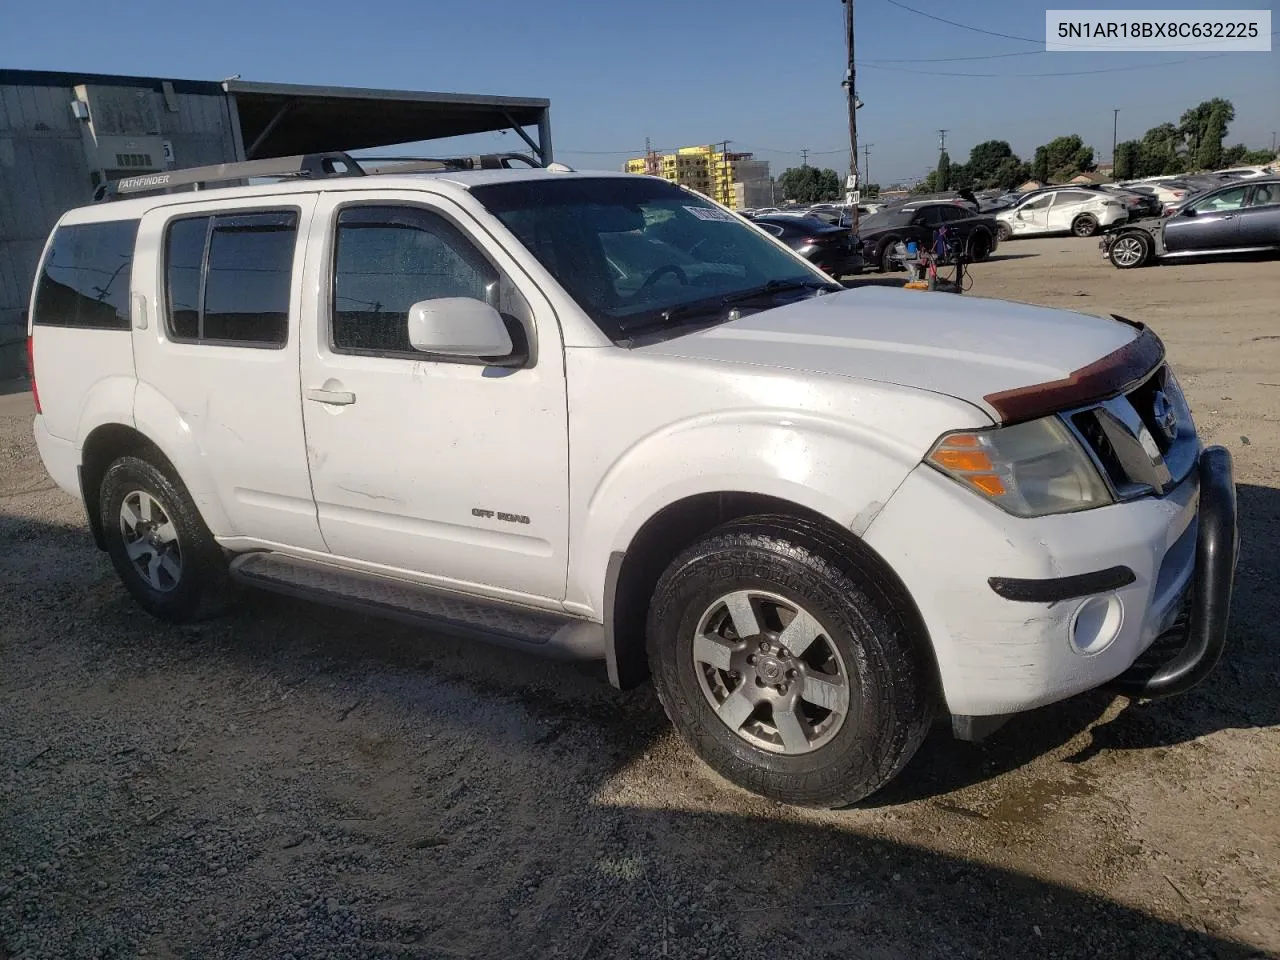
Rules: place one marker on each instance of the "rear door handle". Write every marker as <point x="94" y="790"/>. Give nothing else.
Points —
<point x="338" y="398"/>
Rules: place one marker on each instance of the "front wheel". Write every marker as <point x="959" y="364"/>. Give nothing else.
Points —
<point x="887" y="262"/>
<point x="788" y="662"/>
<point x="1129" y="250"/>
<point x="1004" y="232"/>
<point x="158" y="543"/>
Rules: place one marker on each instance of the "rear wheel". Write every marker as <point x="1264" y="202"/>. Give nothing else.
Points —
<point x="1129" y="250"/>
<point x="979" y="246"/>
<point x="788" y="663"/>
<point x="158" y="543"/>
<point x="1085" y="225"/>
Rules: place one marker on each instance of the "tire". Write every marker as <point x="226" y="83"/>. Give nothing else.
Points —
<point x="979" y="246"/>
<point x="1129" y="250"/>
<point x="1004" y="232"/>
<point x="1085" y="225"/>
<point x="858" y="634"/>
<point x="168" y="559"/>
<point x="887" y="263"/>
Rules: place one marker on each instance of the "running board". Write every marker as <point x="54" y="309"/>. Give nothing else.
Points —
<point x="507" y="625"/>
<point x="1214" y="252"/>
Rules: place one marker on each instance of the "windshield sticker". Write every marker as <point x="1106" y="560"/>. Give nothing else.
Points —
<point x="712" y="213"/>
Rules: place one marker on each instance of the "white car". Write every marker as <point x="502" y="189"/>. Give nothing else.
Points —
<point x="1067" y="210"/>
<point x="815" y="516"/>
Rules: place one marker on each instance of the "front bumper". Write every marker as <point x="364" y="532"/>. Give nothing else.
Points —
<point x="998" y="655"/>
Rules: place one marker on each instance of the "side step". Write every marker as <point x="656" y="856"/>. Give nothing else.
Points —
<point x="504" y="624"/>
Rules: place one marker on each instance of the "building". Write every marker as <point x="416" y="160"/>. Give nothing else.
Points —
<point x="62" y="135"/>
<point x="1095" y="178"/>
<point x="710" y="170"/>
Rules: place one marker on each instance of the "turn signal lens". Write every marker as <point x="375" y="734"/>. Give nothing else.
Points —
<point x="1030" y="469"/>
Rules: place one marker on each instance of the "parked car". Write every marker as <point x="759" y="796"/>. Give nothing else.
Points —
<point x="1065" y="210"/>
<point x="880" y="232"/>
<point x="1242" y="217"/>
<point x="830" y="248"/>
<point x="814" y="516"/>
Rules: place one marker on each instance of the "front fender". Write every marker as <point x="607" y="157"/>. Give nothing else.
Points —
<point x="838" y="469"/>
<point x="156" y="418"/>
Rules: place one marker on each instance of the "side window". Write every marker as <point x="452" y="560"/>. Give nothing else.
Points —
<point x="1039" y="203"/>
<point x="228" y="277"/>
<point x="956" y="213"/>
<point x="1232" y="199"/>
<point x="84" y="281"/>
<point x="928" y="217"/>
<point x="1265" y="195"/>
<point x="389" y="258"/>
<point x="1066" y="197"/>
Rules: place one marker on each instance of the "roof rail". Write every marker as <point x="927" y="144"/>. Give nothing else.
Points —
<point x="487" y="161"/>
<point x="310" y="165"/>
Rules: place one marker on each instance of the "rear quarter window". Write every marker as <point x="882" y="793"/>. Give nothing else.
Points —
<point x="84" y="280"/>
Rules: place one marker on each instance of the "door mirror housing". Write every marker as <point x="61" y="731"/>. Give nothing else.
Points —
<point x="458" y="327"/>
<point x="1018" y="214"/>
<point x="1188" y="211"/>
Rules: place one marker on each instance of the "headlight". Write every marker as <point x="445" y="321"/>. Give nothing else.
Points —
<point x="1030" y="469"/>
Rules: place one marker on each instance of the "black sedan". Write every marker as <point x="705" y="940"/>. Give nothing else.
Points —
<point x="832" y="249"/>
<point x="881" y="231"/>
<point x="1242" y="217"/>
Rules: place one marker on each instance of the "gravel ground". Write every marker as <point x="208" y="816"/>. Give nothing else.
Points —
<point x="294" y="782"/>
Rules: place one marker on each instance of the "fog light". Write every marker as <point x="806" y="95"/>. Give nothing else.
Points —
<point x="1096" y="624"/>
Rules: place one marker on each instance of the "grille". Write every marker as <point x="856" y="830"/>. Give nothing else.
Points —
<point x="1144" y="442"/>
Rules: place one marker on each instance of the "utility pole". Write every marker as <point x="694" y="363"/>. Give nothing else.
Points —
<point x="853" y="105"/>
<point x="804" y="157"/>
<point x="1115" y="126"/>
<point x="1273" y="141"/>
<point x="942" y="148"/>
<point x="866" y="162"/>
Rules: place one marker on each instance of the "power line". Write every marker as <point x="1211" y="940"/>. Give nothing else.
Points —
<point x="986" y="56"/>
<point x="1061" y="73"/>
<point x="965" y="26"/>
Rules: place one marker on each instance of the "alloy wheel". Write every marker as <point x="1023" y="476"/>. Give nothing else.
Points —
<point x="771" y="672"/>
<point x="1127" y="251"/>
<point x="151" y="541"/>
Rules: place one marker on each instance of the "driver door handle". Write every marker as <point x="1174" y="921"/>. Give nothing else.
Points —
<point x="338" y="398"/>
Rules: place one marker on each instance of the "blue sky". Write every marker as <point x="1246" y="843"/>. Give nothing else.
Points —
<point x="764" y="74"/>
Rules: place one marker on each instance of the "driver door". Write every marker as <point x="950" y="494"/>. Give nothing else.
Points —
<point x="1213" y="223"/>
<point x="445" y="469"/>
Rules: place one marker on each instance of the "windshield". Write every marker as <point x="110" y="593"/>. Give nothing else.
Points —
<point x="640" y="253"/>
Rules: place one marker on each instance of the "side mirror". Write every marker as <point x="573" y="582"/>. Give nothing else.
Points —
<point x="1189" y="212"/>
<point x="458" y="327"/>
<point x="1018" y="214"/>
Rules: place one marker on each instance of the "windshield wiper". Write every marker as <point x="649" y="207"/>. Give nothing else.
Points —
<point x="678" y="315"/>
<point x="781" y="286"/>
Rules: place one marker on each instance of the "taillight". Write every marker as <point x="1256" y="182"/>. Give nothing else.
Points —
<point x="1178" y="194"/>
<point x="31" y="370"/>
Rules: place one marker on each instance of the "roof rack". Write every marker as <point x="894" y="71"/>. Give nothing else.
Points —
<point x="304" y="166"/>
<point x="310" y="165"/>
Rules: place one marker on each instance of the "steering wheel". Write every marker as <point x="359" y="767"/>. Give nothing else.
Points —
<point x="652" y="278"/>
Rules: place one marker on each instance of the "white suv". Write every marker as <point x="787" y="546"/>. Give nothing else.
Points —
<point x="1082" y="212"/>
<point x="483" y="400"/>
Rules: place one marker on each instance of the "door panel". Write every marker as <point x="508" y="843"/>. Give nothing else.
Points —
<point x="1260" y="220"/>
<point x="449" y="469"/>
<point x="1034" y="215"/>
<point x="220" y="346"/>
<point x="1214" y="226"/>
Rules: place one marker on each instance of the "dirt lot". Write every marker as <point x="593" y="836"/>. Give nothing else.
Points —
<point x="294" y="782"/>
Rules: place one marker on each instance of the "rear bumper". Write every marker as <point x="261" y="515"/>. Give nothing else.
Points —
<point x="1054" y="638"/>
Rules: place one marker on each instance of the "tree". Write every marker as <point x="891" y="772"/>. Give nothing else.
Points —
<point x="1158" y="152"/>
<point x="1203" y="129"/>
<point x="1040" y="165"/>
<point x="1065" y="157"/>
<point x="1125" y="162"/>
<point x="943" y="172"/>
<point x="871" y="191"/>
<point x="1240" y="155"/>
<point x="810" y="184"/>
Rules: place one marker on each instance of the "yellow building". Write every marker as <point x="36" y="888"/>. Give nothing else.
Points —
<point x="706" y="169"/>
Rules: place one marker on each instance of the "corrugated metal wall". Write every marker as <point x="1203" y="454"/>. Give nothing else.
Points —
<point x="44" y="171"/>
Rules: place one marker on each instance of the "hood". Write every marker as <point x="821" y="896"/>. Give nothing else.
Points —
<point x="961" y="346"/>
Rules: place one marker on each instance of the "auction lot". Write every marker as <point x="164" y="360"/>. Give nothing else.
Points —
<point x="292" y="781"/>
